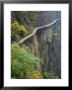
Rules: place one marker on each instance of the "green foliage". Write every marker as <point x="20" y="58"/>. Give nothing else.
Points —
<point x="32" y="17"/>
<point x="16" y="26"/>
<point x="28" y="17"/>
<point x="36" y="74"/>
<point x="55" y="34"/>
<point x="22" y="24"/>
<point x="50" y="75"/>
<point x="24" y="64"/>
<point x="17" y="31"/>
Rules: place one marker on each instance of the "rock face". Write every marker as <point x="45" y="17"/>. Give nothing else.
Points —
<point x="46" y="43"/>
<point x="49" y="41"/>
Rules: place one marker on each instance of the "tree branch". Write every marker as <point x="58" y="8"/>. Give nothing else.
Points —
<point x="36" y="29"/>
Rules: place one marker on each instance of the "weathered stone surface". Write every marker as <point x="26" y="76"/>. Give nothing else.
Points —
<point x="50" y="45"/>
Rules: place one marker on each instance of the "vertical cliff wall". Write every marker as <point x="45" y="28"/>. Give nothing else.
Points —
<point x="50" y="42"/>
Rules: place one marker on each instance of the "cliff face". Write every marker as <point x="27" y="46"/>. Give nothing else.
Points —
<point x="46" y="43"/>
<point x="49" y="42"/>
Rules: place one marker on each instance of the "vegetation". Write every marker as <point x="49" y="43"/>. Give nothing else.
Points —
<point x="24" y="64"/>
<point x="16" y="26"/>
<point x="50" y="75"/>
<point x="28" y="59"/>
